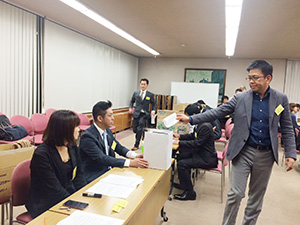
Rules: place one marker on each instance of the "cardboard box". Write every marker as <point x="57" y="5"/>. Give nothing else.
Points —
<point x="158" y="148"/>
<point x="9" y="159"/>
<point x="180" y="128"/>
<point x="180" y="107"/>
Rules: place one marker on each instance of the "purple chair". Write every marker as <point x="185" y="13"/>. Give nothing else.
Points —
<point x="84" y="122"/>
<point x="49" y="112"/>
<point x="20" y="185"/>
<point x="39" y="122"/>
<point x="221" y="169"/>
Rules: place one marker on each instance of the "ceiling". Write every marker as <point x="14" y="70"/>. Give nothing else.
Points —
<point x="185" y="28"/>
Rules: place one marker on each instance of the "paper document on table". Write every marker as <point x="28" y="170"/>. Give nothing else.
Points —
<point x="116" y="186"/>
<point x="122" y="180"/>
<point x="170" y="120"/>
<point x="80" y="217"/>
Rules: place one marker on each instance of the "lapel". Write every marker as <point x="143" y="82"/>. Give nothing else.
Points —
<point x="272" y="106"/>
<point x="98" y="138"/>
<point x="248" y="105"/>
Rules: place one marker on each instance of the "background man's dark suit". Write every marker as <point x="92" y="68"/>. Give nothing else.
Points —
<point x="95" y="162"/>
<point x="139" y="117"/>
<point x="197" y="150"/>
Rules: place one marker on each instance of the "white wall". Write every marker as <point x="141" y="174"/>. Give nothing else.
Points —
<point x="161" y="71"/>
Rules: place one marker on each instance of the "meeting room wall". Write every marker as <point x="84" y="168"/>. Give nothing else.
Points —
<point x="161" y="71"/>
<point x="80" y="71"/>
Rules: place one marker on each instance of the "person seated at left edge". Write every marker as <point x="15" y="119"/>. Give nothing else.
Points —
<point x="98" y="146"/>
<point x="196" y="150"/>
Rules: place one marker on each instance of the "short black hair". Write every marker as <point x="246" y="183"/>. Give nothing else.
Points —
<point x="224" y="97"/>
<point x="145" y="79"/>
<point x="265" y="67"/>
<point x="298" y="105"/>
<point x="238" y="90"/>
<point x="192" y="109"/>
<point x="100" y="109"/>
<point x="60" y="128"/>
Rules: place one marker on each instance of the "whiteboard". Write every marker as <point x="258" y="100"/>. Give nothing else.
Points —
<point x="192" y="92"/>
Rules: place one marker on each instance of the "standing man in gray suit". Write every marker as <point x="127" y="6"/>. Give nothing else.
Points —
<point x="253" y="146"/>
<point x="142" y="98"/>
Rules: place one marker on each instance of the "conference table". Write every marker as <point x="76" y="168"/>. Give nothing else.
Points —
<point x="144" y="204"/>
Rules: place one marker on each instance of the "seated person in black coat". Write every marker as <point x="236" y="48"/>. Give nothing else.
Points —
<point x="196" y="150"/>
<point x="56" y="170"/>
<point x="98" y="154"/>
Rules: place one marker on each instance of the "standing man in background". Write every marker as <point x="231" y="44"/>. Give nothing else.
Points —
<point x="253" y="146"/>
<point x="142" y="98"/>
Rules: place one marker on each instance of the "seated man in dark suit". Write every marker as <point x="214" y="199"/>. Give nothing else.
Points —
<point x="196" y="150"/>
<point x="98" y="146"/>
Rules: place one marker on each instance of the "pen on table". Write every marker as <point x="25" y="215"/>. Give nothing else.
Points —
<point x="45" y="221"/>
<point x="90" y="194"/>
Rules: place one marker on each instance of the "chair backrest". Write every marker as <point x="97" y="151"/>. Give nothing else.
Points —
<point x="229" y="129"/>
<point x="39" y="122"/>
<point x="227" y="123"/>
<point x="20" y="183"/>
<point x="84" y="120"/>
<point x="24" y="122"/>
<point x="49" y="112"/>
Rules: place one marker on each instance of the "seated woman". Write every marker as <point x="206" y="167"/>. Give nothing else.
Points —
<point x="56" y="170"/>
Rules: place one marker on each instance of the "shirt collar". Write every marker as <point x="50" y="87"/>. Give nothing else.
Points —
<point x="266" y="95"/>
<point x="99" y="130"/>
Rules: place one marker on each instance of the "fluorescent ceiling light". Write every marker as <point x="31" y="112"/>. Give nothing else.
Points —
<point x="104" y="22"/>
<point x="233" y="9"/>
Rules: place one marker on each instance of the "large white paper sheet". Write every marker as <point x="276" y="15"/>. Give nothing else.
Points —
<point x="80" y="217"/>
<point x="170" y="120"/>
<point x="116" y="186"/>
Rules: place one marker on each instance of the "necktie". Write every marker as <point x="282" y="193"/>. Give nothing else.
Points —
<point x="105" y="142"/>
<point x="142" y="95"/>
<point x="106" y="145"/>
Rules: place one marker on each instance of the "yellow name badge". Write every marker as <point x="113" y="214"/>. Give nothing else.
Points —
<point x="74" y="173"/>
<point x="123" y="203"/>
<point x="279" y="109"/>
<point x="113" y="146"/>
<point x="116" y="208"/>
<point x="147" y="98"/>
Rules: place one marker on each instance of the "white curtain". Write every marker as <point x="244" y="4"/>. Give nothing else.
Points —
<point x="79" y="71"/>
<point x="292" y="81"/>
<point x="17" y="61"/>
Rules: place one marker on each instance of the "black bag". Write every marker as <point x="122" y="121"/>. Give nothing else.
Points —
<point x="9" y="132"/>
<point x="4" y="121"/>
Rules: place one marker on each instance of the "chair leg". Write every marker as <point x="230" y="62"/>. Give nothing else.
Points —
<point x="2" y="213"/>
<point x="11" y="210"/>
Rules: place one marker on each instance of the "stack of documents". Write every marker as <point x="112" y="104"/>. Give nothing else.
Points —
<point x="80" y="217"/>
<point x="116" y="186"/>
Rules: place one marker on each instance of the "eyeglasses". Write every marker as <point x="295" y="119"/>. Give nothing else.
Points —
<point x="254" y="78"/>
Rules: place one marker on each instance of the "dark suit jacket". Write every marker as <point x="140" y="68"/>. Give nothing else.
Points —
<point x="95" y="162"/>
<point x="241" y="105"/>
<point x="201" y="145"/>
<point x="139" y="105"/>
<point x="49" y="181"/>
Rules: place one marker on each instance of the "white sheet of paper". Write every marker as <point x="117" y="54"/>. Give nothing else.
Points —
<point x="170" y="120"/>
<point x="116" y="186"/>
<point x="80" y="217"/>
<point x="122" y="180"/>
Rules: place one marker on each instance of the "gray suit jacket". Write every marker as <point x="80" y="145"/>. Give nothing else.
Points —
<point x="139" y="104"/>
<point x="241" y="105"/>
